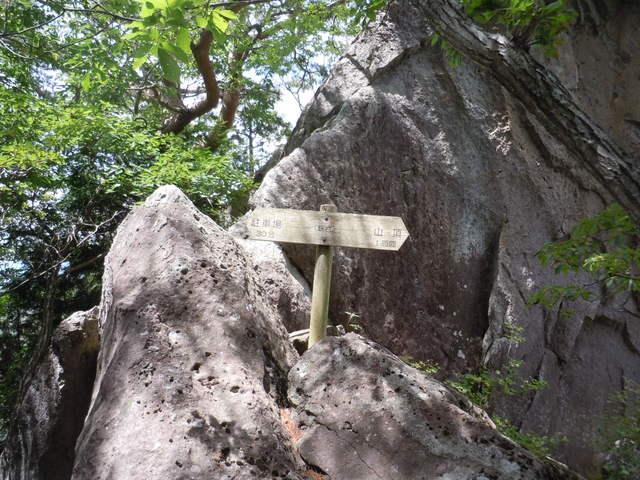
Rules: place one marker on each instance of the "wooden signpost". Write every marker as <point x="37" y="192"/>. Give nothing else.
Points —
<point x="326" y="229"/>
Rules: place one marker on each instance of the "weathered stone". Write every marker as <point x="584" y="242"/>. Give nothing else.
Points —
<point x="40" y="445"/>
<point x="597" y="61"/>
<point x="364" y="414"/>
<point x="192" y="368"/>
<point x="285" y="286"/>
<point x="481" y="185"/>
<point x="300" y="338"/>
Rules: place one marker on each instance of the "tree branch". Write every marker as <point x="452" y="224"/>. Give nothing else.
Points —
<point x="83" y="265"/>
<point x="34" y="27"/>
<point x="99" y="11"/>
<point x="200" y="51"/>
<point x="544" y="96"/>
<point x="230" y="98"/>
<point x="57" y="265"/>
<point x="239" y="4"/>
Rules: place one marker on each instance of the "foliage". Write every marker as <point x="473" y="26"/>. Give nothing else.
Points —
<point x="480" y="386"/>
<point x="604" y="247"/>
<point x="68" y="174"/>
<point x="366" y="10"/>
<point x="540" y="445"/>
<point x="620" y="436"/>
<point x="528" y="22"/>
<point x="429" y="367"/>
<point x="86" y="90"/>
<point x="164" y="31"/>
<point x="454" y="57"/>
<point x="512" y="332"/>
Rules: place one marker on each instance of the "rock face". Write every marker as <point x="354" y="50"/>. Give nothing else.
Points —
<point x="364" y="414"/>
<point x="285" y="287"/>
<point x="50" y="416"/>
<point x="481" y="186"/>
<point x="192" y="368"/>
<point x="196" y="378"/>
<point x="597" y="63"/>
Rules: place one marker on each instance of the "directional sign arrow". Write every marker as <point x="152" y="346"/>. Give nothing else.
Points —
<point x="327" y="228"/>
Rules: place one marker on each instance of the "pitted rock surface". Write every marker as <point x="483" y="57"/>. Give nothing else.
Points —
<point x="286" y="288"/>
<point x="367" y="415"/>
<point x="49" y="418"/>
<point x="481" y="186"/>
<point x="192" y="368"/>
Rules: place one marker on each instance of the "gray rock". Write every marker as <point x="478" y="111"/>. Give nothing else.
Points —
<point x="285" y="287"/>
<point x="597" y="61"/>
<point x="364" y="414"/>
<point x="40" y="445"/>
<point x="481" y="186"/>
<point x="192" y="368"/>
<point x="300" y="338"/>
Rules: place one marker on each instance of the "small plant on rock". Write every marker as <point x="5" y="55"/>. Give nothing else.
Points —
<point x="428" y="366"/>
<point x="620" y="437"/>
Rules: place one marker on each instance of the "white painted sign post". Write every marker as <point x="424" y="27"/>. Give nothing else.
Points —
<point x="326" y="229"/>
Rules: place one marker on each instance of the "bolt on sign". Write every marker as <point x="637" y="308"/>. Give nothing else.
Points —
<point x="326" y="229"/>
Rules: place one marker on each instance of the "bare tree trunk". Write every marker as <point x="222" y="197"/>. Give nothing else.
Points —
<point x="544" y="96"/>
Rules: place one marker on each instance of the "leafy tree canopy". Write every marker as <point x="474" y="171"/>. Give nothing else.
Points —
<point x="103" y="101"/>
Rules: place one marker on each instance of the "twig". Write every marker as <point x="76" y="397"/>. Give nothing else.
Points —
<point x="240" y="4"/>
<point x="60" y="262"/>
<point x="34" y="27"/>
<point x="94" y="11"/>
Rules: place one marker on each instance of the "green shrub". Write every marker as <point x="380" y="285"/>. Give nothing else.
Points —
<point x="620" y="437"/>
<point x="480" y="386"/>
<point x="527" y="22"/>
<point x="604" y="247"/>
<point x="429" y="366"/>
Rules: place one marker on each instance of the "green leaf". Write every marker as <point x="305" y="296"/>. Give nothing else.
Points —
<point x="154" y="34"/>
<point x="169" y="66"/>
<point x="147" y="9"/>
<point x="228" y="14"/>
<point x="159" y="4"/>
<point x="201" y="22"/>
<point x="183" y="41"/>
<point x="86" y="82"/>
<point x="136" y="25"/>
<point x="140" y="56"/>
<point x="132" y="35"/>
<point x="139" y="61"/>
<point x="176" y="52"/>
<point x="219" y="22"/>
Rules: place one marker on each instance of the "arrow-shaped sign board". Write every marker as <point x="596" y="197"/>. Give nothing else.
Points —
<point x="327" y="228"/>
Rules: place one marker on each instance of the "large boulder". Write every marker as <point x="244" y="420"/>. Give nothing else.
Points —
<point x="364" y="414"/>
<point x="482" y="185"/>
<point x="283" y="284"/>
<point x="194" y="357"/>
<point x="196" y="378"/>
<point x="49" y="418"/>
